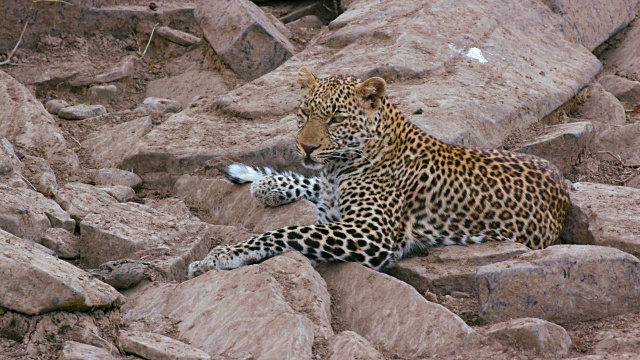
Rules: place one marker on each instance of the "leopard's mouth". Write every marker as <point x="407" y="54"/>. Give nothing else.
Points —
<point x="311" y="164"/>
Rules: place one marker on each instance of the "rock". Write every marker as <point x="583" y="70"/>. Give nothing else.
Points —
<point x="40" y="247"/>
<point x="117" y="177"/>
<point x="78" y="351"/>
<point x="307" y="22"/>
<point x="601" y="108"/>
<point x="137" y="232"/>
<point x="80" y="199"/>
<point x="616" y="342"/>
<point x="623" y="141"/>
<point x="55" y="105"/>
<point x="102" y="92"/>
<point x="172" y="206"/>
<point x="109" y="145"/>
<point x="218" y="197"/>
<point x="40" y="174"/>
<point x="622" y="60"/>
<point x="562" y="283"/>
<point x="561" y="144"/>
<point x="283" y="313"/>
<point x="119" y="192"/>
<point x="64" y="243"/>
<point x="10" y="166"/>
<point x="547" y="339"/>
<point x="28" y="126"/>
<point x="152" y="105"/>
<point x="158" y="347"/>
<point x="59" y="285"/>
<point x="27" y="214"/>
<point x="50" y="74"/>
<point x="122" y="274"/>
<point x="590" y="23"/>
<point x="177" y="36"/>
<point x="82" y="111"/>
<point x="244" y="37"/>
<point x="622" y="88"/>
<point x="373" y="304"/>
<point x="452" y="268"/>
<point x="626" y="356"/>
<point x="604" y="215"/>
<point x="634" y="182"/>
<point x="119" y="72"/>
<point x="348" y="345"/>
<point x="188" y="85"/>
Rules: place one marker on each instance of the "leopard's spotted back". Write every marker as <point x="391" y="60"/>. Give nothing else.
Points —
<point x="387" y="187"/>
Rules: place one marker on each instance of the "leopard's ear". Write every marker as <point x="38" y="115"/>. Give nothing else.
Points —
<point x="306" y="78"/>
<point x="372" y="90"/>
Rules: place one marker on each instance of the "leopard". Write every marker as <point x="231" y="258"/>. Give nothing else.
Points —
<point x="385" y="189"/>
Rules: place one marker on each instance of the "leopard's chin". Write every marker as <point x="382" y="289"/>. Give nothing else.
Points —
<point x="310" y="164"/>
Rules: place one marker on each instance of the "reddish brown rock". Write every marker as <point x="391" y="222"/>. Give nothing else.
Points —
<point x="117" y="177"/>
<point x="604" y="215"/>
<point x="547" y="339"/>
<point x="158" y="347"/>
<point x="80" y="199"/>
<point x="622" y="88"/>
<point x="65" y="244"/>
<point x="110" y="144"/>
<point x="348" y="345"/>
<point x="561" y="283"/>
<point x="73" y="350"/>
<point x="601" y="108"/>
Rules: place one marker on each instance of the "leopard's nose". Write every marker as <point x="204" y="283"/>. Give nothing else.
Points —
<point x="308" y="149"/>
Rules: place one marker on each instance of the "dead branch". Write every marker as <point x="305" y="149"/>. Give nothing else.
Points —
<point x="8" y="59"/>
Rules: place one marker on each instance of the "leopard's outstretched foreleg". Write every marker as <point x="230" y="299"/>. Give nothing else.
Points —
<point x="275" y="187"/>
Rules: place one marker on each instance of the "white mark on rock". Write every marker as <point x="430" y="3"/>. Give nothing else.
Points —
<point x="473" y="53"/>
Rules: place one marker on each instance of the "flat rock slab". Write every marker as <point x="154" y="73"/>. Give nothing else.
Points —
<point x="225" y="203"/>
<point x="80" y="199"/>
<point x="110" y="144"/>
<point x="188" y="86"/>
<point x="561" y="144"/>
<point x="158" y="347"/>
<point x="177" y="36"/>
<point x="25" y="122"/>
<point x="102" y="92"/>
<point x="560" y="284"/>
<point x="545" y="338"/>
<point x="348" y="345"/>
<point x="40" y="174"/>
<point x="28" y="214"/>
<point x="246" y="39"/>
<point x="623" y="59"/>
<point x="137" y="232"/>
<point x="110" y="176"/>
<point x="622" y="88"/>
<point x="81" y="112"/>
<point x="453" y="268"/>
<point x="63" y="242"/>
<point x="35" y="283"/>
<point x="374" y="304"/>
<point x="283" y="309"/>
<point x="73" y="350"/>
<point x="604" y="215"/>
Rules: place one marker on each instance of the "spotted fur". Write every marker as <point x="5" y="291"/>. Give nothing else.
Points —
<point x="387" y="187"/>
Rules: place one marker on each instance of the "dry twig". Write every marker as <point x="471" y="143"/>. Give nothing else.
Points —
<point x="8" y="59"/>
<point x="28" y="182"/>
<point x="633" y="166"/>
<point x="149" y="42"/>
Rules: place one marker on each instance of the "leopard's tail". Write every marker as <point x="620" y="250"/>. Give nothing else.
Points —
<point x="241" y="174"/>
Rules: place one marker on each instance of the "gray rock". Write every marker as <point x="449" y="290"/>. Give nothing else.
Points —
<point x="102" y="92"/>
<point x="177" y="36"/>
<point x="622" y="88"/>
<point x="40" y="174"/>
<point x="119" y="192"/>
<point x="614" y="342"/>
<point x="244" y="37"/>
<point x="28" y="126"/>
<point x="428" y="330"/>
<point x="453" y="268"/>
<point x="307" y="22"/>
<point x="28" y="214"/>
<point x="622" y="141"/>
<point x="547" y="339"/>
<point x="601" y="108"/>
<point x="158" y="347"/>
<point x="561" y="283"/>
<point x="82" y="111"/>
<point x="188" y="85"/>
<point x="78" y="351"/>
<point x="118" y="72"/>
<point x="60" y="286"/>
<point x="80" y="199"/>
<point x="348" y="345"/>
<point x="117" y="177"/>
<point x="561" y="144"/>
<point x="283" y="312"/>
<point x="55" y="105"/>
<point x="158" y="106"/>
<point x="109" y="145"/>
<point x="65" y="244"/>
<point x="623" y="59"/>
<point x="122" y="274"/>
<point x="604" y="215"/>
<point x="137" y="232"/>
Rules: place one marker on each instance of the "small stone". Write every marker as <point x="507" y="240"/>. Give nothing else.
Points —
<point x="177" y="36"/>
<point x="622" y="88"/>
<point x="119" y="192"/>
<point x="63" y="242"/>
<point x="122" y="274"/>
<point x="348" y="345"/>
<point x="542" y="336"/>
<point x="117" y="177"/>
<point x="82" y="111"/>
<point x="40" y="174"/>
<point x="54" y="106"/>
<point x="307" y="22"/>
<point x="159" y="347"/>
<point x="159" y="106"/>
<point x="431" y="296"/>
<point x="102" y="92"/>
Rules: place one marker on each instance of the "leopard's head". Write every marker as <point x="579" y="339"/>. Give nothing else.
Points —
<point x="337" y="117"/>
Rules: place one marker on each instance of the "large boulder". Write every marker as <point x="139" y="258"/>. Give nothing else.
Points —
<point x="35" y="283"/>
<point x="25" y="122"/>
<point x="374" y="304"/>
<point x="561" y="283"/>
<point x="604" y="215"/>
<point x="283" y="312"/>
<point x="108" y="145"/>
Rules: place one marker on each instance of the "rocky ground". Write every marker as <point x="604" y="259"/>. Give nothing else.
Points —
<point x="117" y="117"/>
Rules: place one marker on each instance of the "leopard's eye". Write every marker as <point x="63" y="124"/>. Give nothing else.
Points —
<point x="336" y="119"/>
